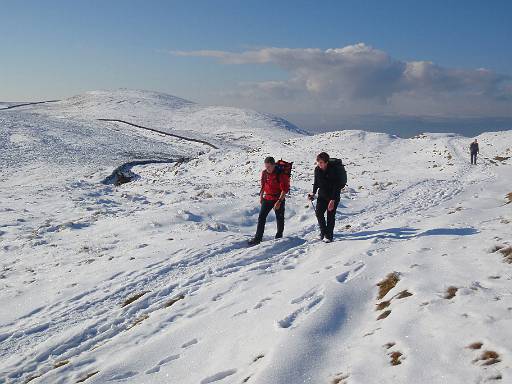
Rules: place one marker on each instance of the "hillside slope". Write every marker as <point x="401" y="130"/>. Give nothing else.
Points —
<point x="151" y="281"/>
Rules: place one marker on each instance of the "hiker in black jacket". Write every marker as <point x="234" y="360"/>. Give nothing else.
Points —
<point x="328" y="182"/>
<point x="473" y="148"/>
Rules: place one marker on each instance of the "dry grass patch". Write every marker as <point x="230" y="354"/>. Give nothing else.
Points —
<point x="340" y="378"/>
<point x="476" y="345"/>
<point x="496" y="248"/>
<point x="384" y="314"/>
<point x="451" y="292"/>
<point x="389" y="345"/>
<point x="488" y="358"/>
<point x="60" y="363"/>
<point x="505" y="250"/>
<point x="502" y="158"/>
<point x="396" y="358"/>
<point x="508" y="196"/>
<point x="174" y="301"/>
<point x="388" y="284"/>
<point x="457" y="209"/>
<point x="133" y="298"/>
<point x="87" y="376"/>
<point x="382" y="305"/>
<point x="33" y="377"/>
<point x="403" y="294"/>
<point x="137" y="321"/>
<point x="261" y="356"/>
<point x="507" y="254"/>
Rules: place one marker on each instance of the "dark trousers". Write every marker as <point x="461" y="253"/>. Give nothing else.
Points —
<point x="473" y="158"/>
<point x="266" y="207"/>
<point x="326" y="229"/>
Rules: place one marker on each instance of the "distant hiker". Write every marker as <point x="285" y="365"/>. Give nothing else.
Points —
<point x="473" y="148"/>
<point x="275" y="184"/>
<point x="330" y="179"/>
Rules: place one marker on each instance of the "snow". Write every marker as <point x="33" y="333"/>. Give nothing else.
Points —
<point x="151" y="281"/>
<point x="221" y="125"/>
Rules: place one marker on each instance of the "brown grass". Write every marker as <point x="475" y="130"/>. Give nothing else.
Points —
<point x="450" y="292"/>
<point x="384" y="314"/>
<point x="387" y="284"/>
<point x="339" y="379"/>
<point x="131" y="299"/>
<point x="497" y="247"/>
<point x="60" y="363"/>
<point x="508" y="196"/>
<point x="260" y="356"/>
<point x="403" y="294"/>
<point x="507" y="254"/>
<point x="382" y="305"/>
<point x="396" y="358"/>
<point x="138" y="320"/>
<point x="488" y="358"/>
<point x="87" y="376"/>
<point x="457" y="209"/>
<point x="174" y="301"/>
<point x="33" y="377"/>
<point x="502" y="158"/>
<point x="476" y="345"/>
<point x="389" y="345"/>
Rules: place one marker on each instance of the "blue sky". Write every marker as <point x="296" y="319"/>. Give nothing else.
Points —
<point x="54" y="49"/>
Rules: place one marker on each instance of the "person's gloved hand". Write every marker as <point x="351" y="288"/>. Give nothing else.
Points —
<point x="311" y="196"/>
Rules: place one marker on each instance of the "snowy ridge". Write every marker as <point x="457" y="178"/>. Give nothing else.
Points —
<point x="151" y="281"/>
<point x="220" y="125"/>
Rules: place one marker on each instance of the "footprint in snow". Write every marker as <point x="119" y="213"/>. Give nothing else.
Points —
<point x="218" y="376"/>
<point x="349" y="275"/>
<point x="311" y="303"/>
<point x="189" y="343"/>
<point x="161" y="363"/>
<point x="123" y="376"/>
<point x="262" y="302"/>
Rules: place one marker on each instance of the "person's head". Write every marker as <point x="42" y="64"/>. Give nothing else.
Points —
<point x="476" y="141"/>
<point x="322" y="160"/>
<point x="270" y="164"/>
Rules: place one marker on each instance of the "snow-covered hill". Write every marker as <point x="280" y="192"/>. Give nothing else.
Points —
<point x="151" y="281"/>
<point x="222" y="125"/>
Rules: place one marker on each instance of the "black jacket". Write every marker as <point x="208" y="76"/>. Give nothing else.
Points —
<point x="474" y="148"/>
<point x="327" y="183"/>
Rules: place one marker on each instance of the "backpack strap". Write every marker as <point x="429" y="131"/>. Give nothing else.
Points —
<point x="263" y="181"/>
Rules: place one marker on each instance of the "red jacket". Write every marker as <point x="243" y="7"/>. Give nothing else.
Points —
<point x="273" y="184"/>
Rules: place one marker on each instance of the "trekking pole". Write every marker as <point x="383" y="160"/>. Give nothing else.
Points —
<point x="313" y="205"/>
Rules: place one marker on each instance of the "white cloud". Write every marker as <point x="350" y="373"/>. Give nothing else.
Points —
<point x="363" y="79"/>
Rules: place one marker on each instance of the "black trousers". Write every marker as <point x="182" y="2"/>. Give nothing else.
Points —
<point x="326" y="228"/>
<point x="266" y="207"/>
<point x="473" y="158"/>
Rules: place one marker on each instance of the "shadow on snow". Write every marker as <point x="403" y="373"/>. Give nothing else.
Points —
<point x="407" y="233"/>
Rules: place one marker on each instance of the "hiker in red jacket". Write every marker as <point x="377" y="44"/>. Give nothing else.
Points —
<point x="274" y="186"/>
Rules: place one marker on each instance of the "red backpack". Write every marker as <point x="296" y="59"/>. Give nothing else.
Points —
<point x="282" y="167"/>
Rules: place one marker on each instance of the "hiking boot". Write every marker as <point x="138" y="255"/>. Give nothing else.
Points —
<point x="321" y="236"/>
<point x="327" y="240"/>
<point x="254" y="242"/>
<point x="279" y="236"/>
